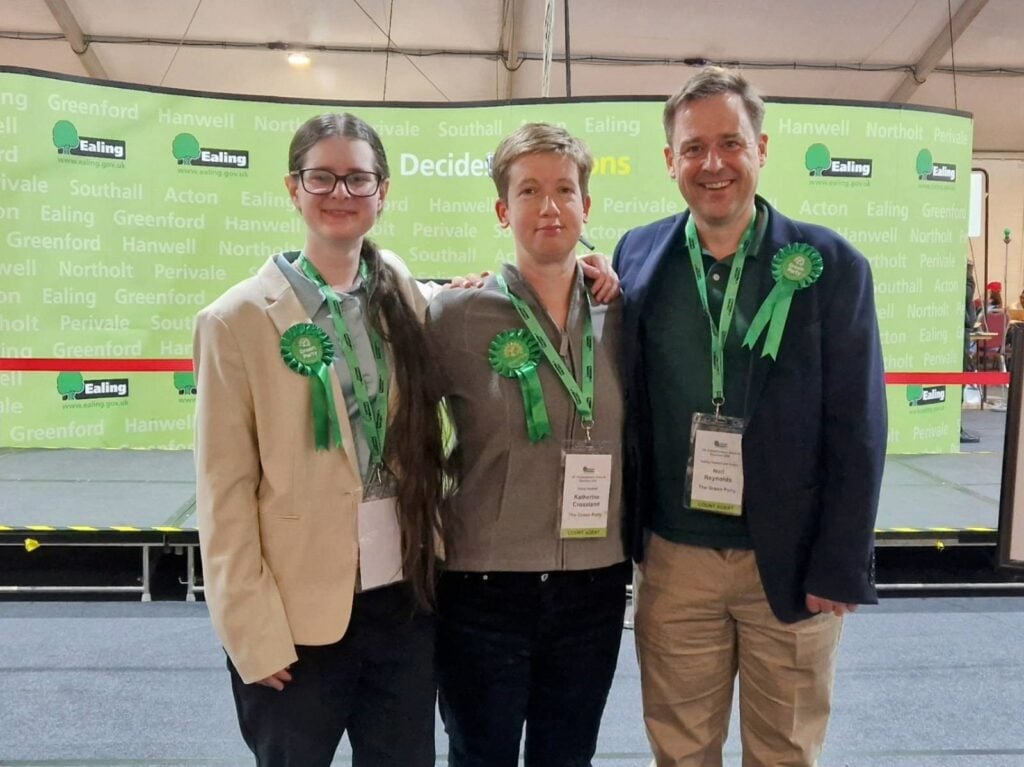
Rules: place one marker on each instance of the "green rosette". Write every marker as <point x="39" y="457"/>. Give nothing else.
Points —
<point x="795" y="267"/>
<point x="516" y="354"/>
<point x="308" y="351"/>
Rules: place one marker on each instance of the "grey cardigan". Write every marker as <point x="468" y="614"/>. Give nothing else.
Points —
<point x="507" y="511"/>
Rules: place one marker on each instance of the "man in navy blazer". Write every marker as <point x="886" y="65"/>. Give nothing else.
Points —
<point x="754" y="455"/>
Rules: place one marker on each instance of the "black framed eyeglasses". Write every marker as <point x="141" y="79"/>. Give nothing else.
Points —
<point x="360" y="183"/>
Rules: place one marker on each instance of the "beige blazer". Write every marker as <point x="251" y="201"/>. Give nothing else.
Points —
<point x="277" y="518"/>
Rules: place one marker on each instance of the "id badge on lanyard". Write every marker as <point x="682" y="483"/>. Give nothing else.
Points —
<point x="714" y="471"/>
<point x="380" y="537"/>
<point x="586" y="464"/>
<point x="714" y="468"/>
<point x="378" y="530"/>
<point x="586" y="489"/>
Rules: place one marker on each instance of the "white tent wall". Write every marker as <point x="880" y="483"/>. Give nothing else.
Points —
<point x="1005" y="211"/>
<point x="438" y="50"/>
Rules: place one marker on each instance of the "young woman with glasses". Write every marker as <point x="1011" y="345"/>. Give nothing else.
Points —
<point x="320" y="474"/>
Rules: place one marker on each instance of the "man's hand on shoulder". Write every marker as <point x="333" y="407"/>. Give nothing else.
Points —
<point x="821" y="605"/>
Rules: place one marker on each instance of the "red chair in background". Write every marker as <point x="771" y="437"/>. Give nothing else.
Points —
<point x="992" y="351"/>
<point x="991" y="354"/>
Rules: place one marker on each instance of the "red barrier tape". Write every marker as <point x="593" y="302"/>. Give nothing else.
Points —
<point x="43" y="364"/>
<point x="938" y="379"/>
<point x="56" y="365"/>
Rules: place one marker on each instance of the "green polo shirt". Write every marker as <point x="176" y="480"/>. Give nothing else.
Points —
<point x="677" y="361"/>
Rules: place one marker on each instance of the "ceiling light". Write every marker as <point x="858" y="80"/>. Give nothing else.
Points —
<point x="299" y="60"/>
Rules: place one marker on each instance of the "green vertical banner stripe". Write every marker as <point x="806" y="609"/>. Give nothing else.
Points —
<point x="123" y="212"/>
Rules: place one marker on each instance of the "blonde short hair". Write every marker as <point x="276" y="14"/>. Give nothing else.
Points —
<point x="539" y="138"/>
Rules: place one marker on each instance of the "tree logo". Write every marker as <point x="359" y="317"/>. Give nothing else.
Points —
<point x="70" y="143"/>
<point x="185" y="148"/>
<point x="929" y="170"/>
<point x="70" y="385"/>
<point x="817" y="158"/>
<point x="924" y="164"/>
<point x="185" y="382"/>
<point x="65" y="136"/>
<point x="187" y="151"/>
<point x="820" y="163"/>
<point x="73" y="386"/>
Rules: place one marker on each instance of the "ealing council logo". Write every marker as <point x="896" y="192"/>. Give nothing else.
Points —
<point x="929" y="170"/>
<point x="820" y="163"/>
<point x="918" y="395"/>
<point x="69" y="143"/>
<point x="187" y="151"/>
<point x="73" y="386"/>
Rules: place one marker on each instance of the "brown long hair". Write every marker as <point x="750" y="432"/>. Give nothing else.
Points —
<point x="413" y="448"/>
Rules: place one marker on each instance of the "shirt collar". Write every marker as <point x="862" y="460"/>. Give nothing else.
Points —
<point x="307" y="291"/>
<point x="522" y="288"/>
<point x="762" y="227"/>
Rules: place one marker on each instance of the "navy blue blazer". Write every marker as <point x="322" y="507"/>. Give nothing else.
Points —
<point x="814" y="445"/>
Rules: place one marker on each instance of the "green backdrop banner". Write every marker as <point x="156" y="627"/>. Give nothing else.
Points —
<point x="124" y="211"/>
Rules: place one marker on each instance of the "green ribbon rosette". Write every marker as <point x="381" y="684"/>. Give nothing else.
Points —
<point x="308" y="351"/>
<point x="516" y="354"/>
<point x="794" y="267"/>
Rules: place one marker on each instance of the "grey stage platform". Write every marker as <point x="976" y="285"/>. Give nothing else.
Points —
<point x="920" y="683"/>
<point x="105" y="489"/>
<point x="152" y="490"/>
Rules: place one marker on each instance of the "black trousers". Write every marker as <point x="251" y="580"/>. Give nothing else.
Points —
<point x="377" y="683"/>
<point x="527" y="649"/>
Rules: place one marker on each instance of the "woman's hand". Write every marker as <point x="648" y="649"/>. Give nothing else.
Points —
<point x="469" y="281"/>
<point x="277" y="680"/>
<point x="598" y="267"/>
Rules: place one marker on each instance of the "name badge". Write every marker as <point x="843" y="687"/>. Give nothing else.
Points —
<point x="586" y="489"/>
<point x="380" y="543"/>
<point x="714" y="478"/>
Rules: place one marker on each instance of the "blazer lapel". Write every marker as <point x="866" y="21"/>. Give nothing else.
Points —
<point x="775" y="238"/>
<point x="283" y="306"/>
<point x="285" y="310"/>
<point x="665" y="241"/>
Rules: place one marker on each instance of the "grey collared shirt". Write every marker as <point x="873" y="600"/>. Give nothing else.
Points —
<point x="507" y="511"/>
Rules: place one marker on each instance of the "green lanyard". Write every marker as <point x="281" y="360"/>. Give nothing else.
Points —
<point x="582" y="397"/>
<point x="373" y="414"/>
<point x="719" y="330"/>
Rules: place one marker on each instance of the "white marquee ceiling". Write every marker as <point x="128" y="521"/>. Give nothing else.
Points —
<point x="466" y="50"/>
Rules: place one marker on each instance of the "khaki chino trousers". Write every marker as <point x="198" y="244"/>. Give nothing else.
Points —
<point x="701" y="619"/>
